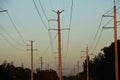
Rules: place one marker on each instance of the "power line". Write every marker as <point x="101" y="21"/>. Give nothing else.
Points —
<point x="16" y="28"/>
<point x="40" y="15"/>
<point x="68" y="40"/>
<point x="71" y="13"/>
<point x="10" y="35"/>
<point x="49" y="45"/>
<point x="43" y="9"/>
<point x="69" y="27"/>
<point x="96" y="33"/>
<point x="97" y="41"/>
<point x="50" y="37"/>
<point x="100" y="35"/>
<point x="10" y="42"/>
<point x="107" y="22"/>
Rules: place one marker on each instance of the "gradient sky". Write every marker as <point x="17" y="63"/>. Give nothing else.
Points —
<point x="85" y="20"/>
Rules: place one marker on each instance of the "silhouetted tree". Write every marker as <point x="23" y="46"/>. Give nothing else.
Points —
<point x="102" y="67"/>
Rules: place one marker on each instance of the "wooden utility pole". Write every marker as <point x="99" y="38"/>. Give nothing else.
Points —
<point x="31" y="45"/>
<point x="87" y="63"/>
<point x="41" y="62"/>
<point x="74" y="70"/>
<point x="31" y="60"/>
<point x="78" y="68"/>
<point x="116" y="44"/>
<point x="59" y="45"/>
<point x="48" y="66"/>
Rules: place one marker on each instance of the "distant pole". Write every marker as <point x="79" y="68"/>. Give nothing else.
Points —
<point x="41" y="62"/>
<point x="87" y="64"/>
<point x="31" y="45"/>
<point x="74" y="70"/>
<point x="78" y="68"/>
<point x="116" y="44"/>
<point x="31" y="60"/>
<point x="59" y="45"/>
<point x="48" y="66"/>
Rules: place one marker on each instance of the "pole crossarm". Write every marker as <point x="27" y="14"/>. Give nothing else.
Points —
<point x="52" y="20"/>
<point x="108" y="27"/>
<point x="107" y="16"/>
<point x="3" y="10"/>
<point x="60" y="29"/>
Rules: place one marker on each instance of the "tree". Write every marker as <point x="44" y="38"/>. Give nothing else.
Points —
<point x="102" y="67"/>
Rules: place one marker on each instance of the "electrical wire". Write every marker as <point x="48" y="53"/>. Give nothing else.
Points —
<point x="10" y="42"/>
<point x="96" y="33"/>
<point x="10" y="35"/>
<point x="69" y="27"/>
<point x="100" y="36"/>
<point x="107" y="22"/>
<point x="43" y="9"/>
<point x="71" y="14"/>
<point x="50" y="37"/>
<point x="97" y="41"/>
<point x="68" y="40"/>
<point x="108" y="11"/>
<point x="16" y="28"/>
<point x="40" y="15"/>
<point x="49" y="45"/>
<point x="48" y="25"/>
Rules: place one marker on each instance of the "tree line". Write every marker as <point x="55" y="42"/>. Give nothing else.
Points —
<point x="102" y="66"/>
<point x="9" y="72"/>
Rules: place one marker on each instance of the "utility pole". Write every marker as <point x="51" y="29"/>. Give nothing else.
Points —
<point x="116" y="44"/>
<point x="31" y="60"/>
<point x="59" y="44"/>
<point x="31" y="45"/>
<point x="87" y="63"/>
<point x="78" y="68"/>
<point x="74" y="70"/>
<point x="48" y="66"/>
<point x="41" y="62"/>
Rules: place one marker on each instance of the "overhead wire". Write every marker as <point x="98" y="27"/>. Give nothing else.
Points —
<point x="100" y="26"/>
<point x="108" y="22"/>
<point x="10" y="42"/>
<point x="48" y="25"/>
<point x="68" y="40"/>
<point x="100" y="36"/>
<point x="10" y="35"/>
<point x="49" y="45"/>
<point x="50" y="37"/>
<point x="16" y="28"/>
<point x="97" y="41"/>
<point x="39" y="14"/>
<point x="69" y="27"/>
<point x="43" y="9"/>
<point x="96" y="33"/>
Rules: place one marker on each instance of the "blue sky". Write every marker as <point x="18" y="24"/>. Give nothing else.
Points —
<point x="85" y="20"/>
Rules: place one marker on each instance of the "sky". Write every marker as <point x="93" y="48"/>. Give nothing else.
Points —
<point x="85" y="20"/>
